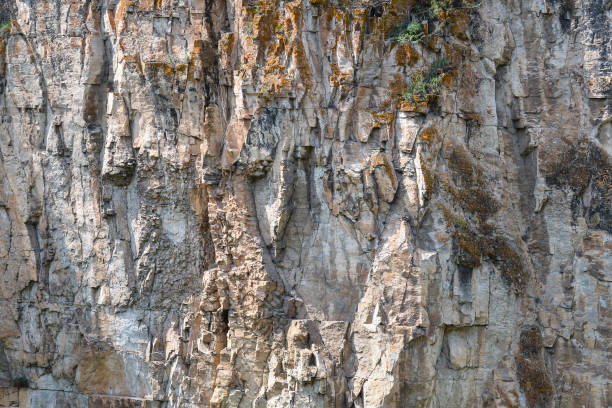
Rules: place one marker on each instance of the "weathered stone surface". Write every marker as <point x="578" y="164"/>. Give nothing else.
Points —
<point x="251" y="204"/>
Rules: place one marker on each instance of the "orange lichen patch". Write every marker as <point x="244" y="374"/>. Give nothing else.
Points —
<point x="265" y="24"/>
<point x="294" y="11"/>
<point x="275" y="84"/>
<point x="195" y="61"/>
<point x="442" y="15"/>
<point x="359" y="19"/>
<point x="275" y="72"/>
<point x="157" y="68"/>
<point x="383" y="118"/>
<point x="395" y="14"/>
<point x="162" y="4"/>
<point x="459" y="23"/>
<point x="454" y="53"/>
<point x="448" y="79"/>
<point x="299" y="56"/>
<point x="135" y="61"/>
<point x="428" y="135"/>
<point x="336" y="78"/>
<point x="276" y="41"/>
<point x="531" y="369"/>
<point x="338" y="15"/>
<point x="226" y="44"/>
<point x="432" y="42"/>
<point x="93" y="17"/>
<point x="111" y="20"/>
<point x="274" y="64"/>
<point x="381" y="160"/>
<point x="120" y="15"/>
<point x="146" y="5"/>
<point x="421" y="106"/>
<point x="405" y="55"/>
<point x="448" y="215"/>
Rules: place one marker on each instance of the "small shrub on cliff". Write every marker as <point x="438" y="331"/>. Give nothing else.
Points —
<point x="423" y="84"/>
<point x="5" y="27"/>
<point x="460" y="222"/>
<point x="420" y="87"/>
<point x="427" y="18"/>
<point x="412" y="32"/>
<point x="436" y="9"/>
<point x="417" y="87"/>
<point x="265" y="90"/>
<point x="438" y="66"/>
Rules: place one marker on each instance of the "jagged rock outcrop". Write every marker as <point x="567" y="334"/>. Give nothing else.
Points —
<point x="308" y="203"/>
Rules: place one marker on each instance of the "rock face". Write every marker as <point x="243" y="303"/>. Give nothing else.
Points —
<point x="309" y="203"/>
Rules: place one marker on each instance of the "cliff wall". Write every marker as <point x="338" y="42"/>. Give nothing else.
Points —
<point x="308" y="203"/>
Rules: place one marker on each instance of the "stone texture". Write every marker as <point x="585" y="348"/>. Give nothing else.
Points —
<point x="231" y="204"/>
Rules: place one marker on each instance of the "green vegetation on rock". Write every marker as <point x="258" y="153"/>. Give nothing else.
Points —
<point x="423" y="84"/>
<point x="5" y="27"/>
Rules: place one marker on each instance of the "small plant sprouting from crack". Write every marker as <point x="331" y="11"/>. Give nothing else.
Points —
<point x="428" y="18"/>
<point x="5" y="27"/>
<point x="281" y="30"/>
<point x="438" y="66"/>
<point x="418" y="87"/>
<point x="426" y="83"/>
<point x="265" y="90"/>
<point x="460" y="222"/>
<point x="436" y="9"/>
<point x="412" y="32"/>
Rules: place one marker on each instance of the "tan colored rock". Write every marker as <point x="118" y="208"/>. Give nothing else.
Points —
<point x="260" y="204"/>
